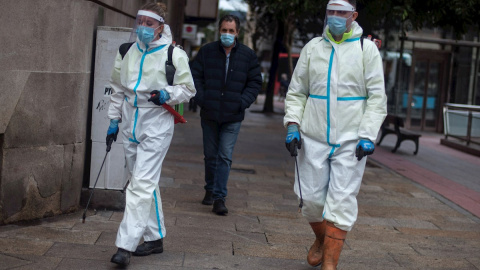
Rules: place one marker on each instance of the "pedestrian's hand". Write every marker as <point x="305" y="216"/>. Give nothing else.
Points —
<point x="293" y="141"/>
<point x="364" y="148"/>
<point x="159" y="97"/>
<point x="112" y="132"/>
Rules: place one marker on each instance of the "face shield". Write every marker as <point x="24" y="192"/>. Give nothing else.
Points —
<point x="338" y="17"/>
<point x="146" y="27"/>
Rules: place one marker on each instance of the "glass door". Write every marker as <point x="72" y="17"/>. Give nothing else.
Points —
<point x="426" y="93"/>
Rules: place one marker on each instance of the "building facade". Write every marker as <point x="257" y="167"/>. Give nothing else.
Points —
<point x="46" y="62"/>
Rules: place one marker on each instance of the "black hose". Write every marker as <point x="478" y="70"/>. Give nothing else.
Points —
<point x="88" y="203"/>
<point x="299" y="187"/>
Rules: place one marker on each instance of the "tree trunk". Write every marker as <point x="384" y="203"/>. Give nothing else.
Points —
<point x="399" y="69"/>
<point x="277" y="46"/>
<point x="288" y="41"/>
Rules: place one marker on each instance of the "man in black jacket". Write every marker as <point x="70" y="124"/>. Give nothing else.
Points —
<point x="227" y="78"/>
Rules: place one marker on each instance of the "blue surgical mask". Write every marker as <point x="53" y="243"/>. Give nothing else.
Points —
<point x="337" y="25"/>
<point x="145" y="34"/>
<point x="227" y="39"/>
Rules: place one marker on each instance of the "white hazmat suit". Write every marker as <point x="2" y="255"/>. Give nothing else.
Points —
<point x="337" y="96"/>
<point x="148" y="131"/>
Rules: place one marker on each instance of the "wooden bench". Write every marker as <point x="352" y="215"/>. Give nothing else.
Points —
<point x="394" y="125"/>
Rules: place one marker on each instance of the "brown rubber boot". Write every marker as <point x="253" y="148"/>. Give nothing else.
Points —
<point x="314" y="257"/>
<point x="332" y="246"/>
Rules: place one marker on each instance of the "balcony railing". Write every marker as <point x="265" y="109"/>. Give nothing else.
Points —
<point x="462" y="122"/>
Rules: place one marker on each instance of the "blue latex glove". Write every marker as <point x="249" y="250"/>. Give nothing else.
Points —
<point x="364" y="147"/>
<point x="293" y="140"/>
<point x="112" y="133"/>
<point x="159" y="97"/>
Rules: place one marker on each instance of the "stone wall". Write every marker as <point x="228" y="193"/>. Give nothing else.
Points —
<point x="45" y="69"/>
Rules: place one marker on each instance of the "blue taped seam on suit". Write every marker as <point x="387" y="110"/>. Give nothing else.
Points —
<point x="328" y="94"/>
<point x="134" y="126"/>
<point x="331" y="152"/>
<point x="158" y="216"/>
<point x="328" y="98"/>
<point x="338" y="98"/>
<point x="352" y="39"/>
<point x="347" y="40"/>
<point x="318" y="97"/>
<point x="139" y="75"/>
<point x="350" y="98"/>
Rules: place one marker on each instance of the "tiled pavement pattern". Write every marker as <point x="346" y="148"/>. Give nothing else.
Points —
<point x="401" y="225"/>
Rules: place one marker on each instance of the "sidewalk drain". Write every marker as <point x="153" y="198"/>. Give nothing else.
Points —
<point x="246" y="171"/>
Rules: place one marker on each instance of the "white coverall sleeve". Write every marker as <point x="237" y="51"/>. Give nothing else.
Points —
<point x="118" y="92"/>
<point x="183" y="88"/>
<point x="298" y="90"/>
<point x="376" y="107"/>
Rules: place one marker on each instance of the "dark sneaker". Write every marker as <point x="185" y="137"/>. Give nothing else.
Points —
<point x="208" y="199"/>
<point x="149" y="247"/>
<point x="122" y="257"/>
<point x="219" y="207"/>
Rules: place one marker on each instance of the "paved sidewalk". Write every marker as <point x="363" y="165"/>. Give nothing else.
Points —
<point x="401" y="224"/>
<point x="452" y="174"/>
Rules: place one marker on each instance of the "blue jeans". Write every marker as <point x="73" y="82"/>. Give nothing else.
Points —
<point x="218" y="143"/>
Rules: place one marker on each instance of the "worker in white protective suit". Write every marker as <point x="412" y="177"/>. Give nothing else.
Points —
<point x="140" y="87"/>
<point x="334" y="108"/>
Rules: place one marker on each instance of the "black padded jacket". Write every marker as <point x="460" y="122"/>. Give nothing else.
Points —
<point x="223" y="100"/>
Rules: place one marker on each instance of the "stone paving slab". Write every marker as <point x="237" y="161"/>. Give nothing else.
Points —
<point x="6" y="228"/>
<point x="252" y="227"/>
<point x="9" y="261"/>
<point x="447" y="249"/>
<point x="366" y="259"/>
<point x="167" y="258"/>
<point x="376" y="246"/>
<point x="71" y="264"/>
<point x="475" y="262"/>
<point x="305" y="239"/>
<point x="214" y="222"/>
<point x="55" y="235"/>
<point x="63" y="222"/>
<point x="395" y="212"/>
<point x="205" y="234"/>
<point x="24" y="246"/>
<point x="267" y="213"/>
<point x="91" y="225"/>
<point x="107" y="239"/>
<point x="381" y="234"/>
<point x="441" y="233"/>
<point x="205" y="261"/>
<point x="458" y="226"/>
<point x="28" y="262"/>
<point x="456" y="192"/>
<point x="199" y="245"/>
<point x="412" y="262"/>
<point x="270" y="251"/>
<point x="81" y="251"/>
<point x="378" y="265"/>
